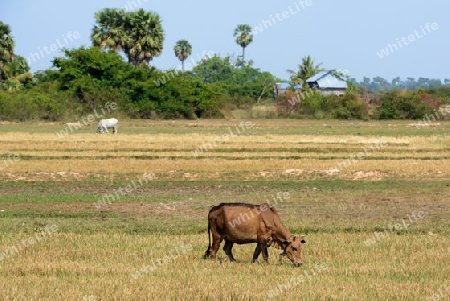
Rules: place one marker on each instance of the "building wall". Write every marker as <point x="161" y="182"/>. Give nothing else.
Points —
<point x="330" y="91"/>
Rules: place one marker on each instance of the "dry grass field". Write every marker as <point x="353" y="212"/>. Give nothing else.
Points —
<point x="123" y="217"/>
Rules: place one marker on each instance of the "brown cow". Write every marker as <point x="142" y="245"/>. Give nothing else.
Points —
<point x="247" y="223"/>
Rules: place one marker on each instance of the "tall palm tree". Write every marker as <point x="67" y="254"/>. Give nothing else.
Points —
<point x="146" y="36"/>
<point x="243" y="36"/>
<point x="109" y="31"/>
<point x="6" y="45"/>
<point x="306" y="70"/>
<point x="182" y="50"/>
<point x="138" y="34"/>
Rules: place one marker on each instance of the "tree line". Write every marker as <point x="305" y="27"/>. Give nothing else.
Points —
<point x="86" y="78"/>
<point x="379" y="84"/>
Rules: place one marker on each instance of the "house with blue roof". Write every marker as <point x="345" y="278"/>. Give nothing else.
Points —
<point x="328" y="82"/>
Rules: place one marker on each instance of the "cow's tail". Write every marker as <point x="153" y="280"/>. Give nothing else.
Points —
<point x="209" y="240"/>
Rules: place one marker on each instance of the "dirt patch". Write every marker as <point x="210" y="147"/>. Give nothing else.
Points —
<point x="368" y="175"/>
<point x="424" y="124"/>
<point x="45" y="176"/>
<point x="293" y="172"/>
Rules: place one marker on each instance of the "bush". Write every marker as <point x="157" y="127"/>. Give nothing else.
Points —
<point x="17" y="106"/>
<point x="442" y="92"/>
<point x="405" y="105"/>
<point x="348" y="106"/>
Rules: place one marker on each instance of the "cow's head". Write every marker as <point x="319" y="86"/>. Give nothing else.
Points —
<point x="293" y="249"/>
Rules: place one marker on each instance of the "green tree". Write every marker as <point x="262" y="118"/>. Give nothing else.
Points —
<point x="306" y="70"/>
<point x="182" y="50"/>
<point x="245" y="85"/>
<point x="411" y="83"/>
<point x="243" y="36"/>
<point x="13" y="68"/>
<point x="380" y="84"/>
<point x="138" y="34"/>
<point x="214" y="69"/>
<point x="146" y="37"/>
<point x="92" y="76"/>
<point x="6" y="47"/>
<point x="395" y="81"/>
<point x="16" y="74"/>
<point x="109" y="32"/>
<point x="366" y="82"/>
<point x="423" y="82"/>
<point x="434" y="83"/>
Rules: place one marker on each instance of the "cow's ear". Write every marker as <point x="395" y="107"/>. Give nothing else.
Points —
<point x="303" y="241"/>
<point x="285" y="243"/>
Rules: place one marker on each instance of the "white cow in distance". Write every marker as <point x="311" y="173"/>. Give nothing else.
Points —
<point x="104" y="124"/>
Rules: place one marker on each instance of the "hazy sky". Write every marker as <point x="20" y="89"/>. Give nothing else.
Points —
<point x="406" y="38"/>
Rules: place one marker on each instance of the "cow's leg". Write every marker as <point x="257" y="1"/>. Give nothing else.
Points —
<point x="264" y="251"/>
<point x="217" y="240"/>
<point x="262" y="242"/>
<point x="115" y="130"/>
<point x="106" y="129"/>
<point x="228" y="249"/>
<point x="257" y="252"/>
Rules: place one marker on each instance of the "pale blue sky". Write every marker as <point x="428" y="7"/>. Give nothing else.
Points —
<point x="346" y="35"/>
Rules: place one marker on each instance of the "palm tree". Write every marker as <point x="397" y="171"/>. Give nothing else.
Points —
<point x="6" y="46"/>
<point x="13" y="68"/>
<point x="109" y="33"/>
<point x="138" y="34"/>
<point x="306" y="70"/>
<point x="146" y="36"/>
<point x="243" y="36"/>
<point x="182" y="50"/>
<point x="16" y="74"/>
